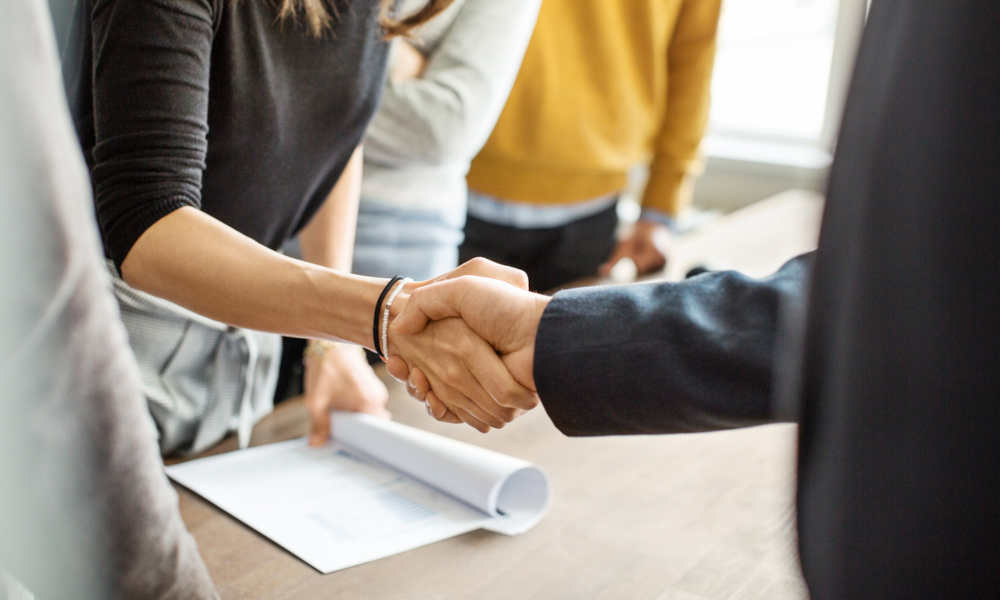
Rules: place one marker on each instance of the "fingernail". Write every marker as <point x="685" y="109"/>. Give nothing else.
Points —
<point x="428" y="407"/>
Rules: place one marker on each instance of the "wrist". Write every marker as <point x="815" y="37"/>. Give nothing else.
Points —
<point x="383" y="314"/>
<point x="539" y="303"/>
<point x="652" y="216"/>
<point x="317" y="349"/>
<point x="530" y="334"/>
<point x="399" y="305"/>
<point x="396" y="309"/>
<point x="341" y="306"/>
<point x="320" y="349"/>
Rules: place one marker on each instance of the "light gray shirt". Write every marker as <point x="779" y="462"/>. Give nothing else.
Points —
<point x="427" y="130"/>
<point x="86" y="510"/>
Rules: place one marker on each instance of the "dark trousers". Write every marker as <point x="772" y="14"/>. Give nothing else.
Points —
<point x="551" y="257"/>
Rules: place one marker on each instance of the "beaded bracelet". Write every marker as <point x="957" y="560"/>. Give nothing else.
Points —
<point x="385" y="313"/>
<point x="376" y="337"/>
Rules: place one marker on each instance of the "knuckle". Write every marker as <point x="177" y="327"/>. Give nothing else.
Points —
<point x="451" y="401"/>
<point x="521" y="279"/>
<point x="514" y="399"/>
<point x="416" y="298"/>
<point x="479" y="262"/>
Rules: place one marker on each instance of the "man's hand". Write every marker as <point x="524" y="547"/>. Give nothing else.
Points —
<point x="504" y="316"/>
<point x="647" y="245"/>
<point x="479" y="267"/>
<point x="340" y="379"/>
<point x="407" y="62"/>
<point x="464" y="371"/>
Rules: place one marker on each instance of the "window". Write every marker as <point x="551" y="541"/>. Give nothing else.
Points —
<point x="781" y="71"/>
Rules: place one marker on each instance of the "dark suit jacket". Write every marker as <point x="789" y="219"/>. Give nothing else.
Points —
<point x="891" y="361"/>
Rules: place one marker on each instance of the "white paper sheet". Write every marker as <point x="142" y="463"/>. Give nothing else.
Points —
<point x="382" y="488"/>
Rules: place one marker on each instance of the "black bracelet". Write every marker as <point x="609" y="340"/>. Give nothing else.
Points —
<point x="378" y="315"/>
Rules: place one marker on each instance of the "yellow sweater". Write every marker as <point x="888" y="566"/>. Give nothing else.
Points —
<point x="605" y="85"/>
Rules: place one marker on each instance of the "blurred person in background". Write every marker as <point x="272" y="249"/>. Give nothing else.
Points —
<point x="86" y="511"/>
<point x="604" y="86"/>
<point x="447" y="84"/>
<point x="446" y="88"/>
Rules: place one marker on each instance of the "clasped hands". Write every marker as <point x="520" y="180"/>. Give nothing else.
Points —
<point x="464" y="344"/>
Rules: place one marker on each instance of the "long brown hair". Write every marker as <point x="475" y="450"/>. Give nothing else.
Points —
<point x="318" y="18"/>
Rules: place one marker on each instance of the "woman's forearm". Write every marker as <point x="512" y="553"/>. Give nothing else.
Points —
<point x="200" y="263"/>
<point x="196" y="261"/>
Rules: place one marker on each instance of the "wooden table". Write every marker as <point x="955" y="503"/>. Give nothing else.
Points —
<point x="685" y="517"/>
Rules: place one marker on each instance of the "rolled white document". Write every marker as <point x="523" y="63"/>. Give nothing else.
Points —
<point x="380" y="489"/>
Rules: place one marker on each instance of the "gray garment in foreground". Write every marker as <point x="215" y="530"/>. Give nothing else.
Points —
<point x="86" y="511"/>
<point x="202" y="379"/>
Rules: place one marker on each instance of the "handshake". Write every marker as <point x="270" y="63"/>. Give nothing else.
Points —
<point x="464" y="344"/>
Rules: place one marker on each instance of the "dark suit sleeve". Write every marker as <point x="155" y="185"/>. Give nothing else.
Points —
<point x="664" y="358"/>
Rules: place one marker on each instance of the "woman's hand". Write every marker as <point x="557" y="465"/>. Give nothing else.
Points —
<point x="407" y="62"/>
<point x="339" y="378"/>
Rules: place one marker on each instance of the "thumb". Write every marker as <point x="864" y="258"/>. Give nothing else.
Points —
<point x="431" y="302"/>
<point x="483" y="267"/>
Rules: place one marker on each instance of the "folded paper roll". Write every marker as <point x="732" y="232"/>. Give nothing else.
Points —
<point x="380" y="489"/>
<point x="513" y="491"/>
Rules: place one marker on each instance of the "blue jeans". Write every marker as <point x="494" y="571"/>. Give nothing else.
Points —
<point x="395" y="241"/>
